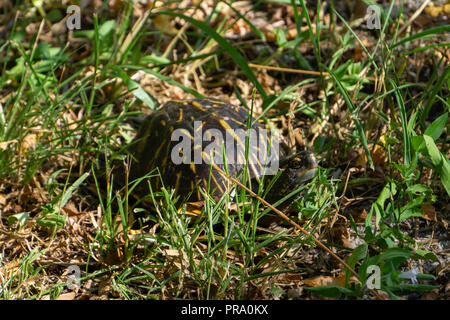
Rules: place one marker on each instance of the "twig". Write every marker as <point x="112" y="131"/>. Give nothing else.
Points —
<point x="313" y="73"/>
<point x="414" y="16"/>
<point x="285" y="217"/>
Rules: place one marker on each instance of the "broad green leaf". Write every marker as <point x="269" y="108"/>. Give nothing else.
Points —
<point x="395" y="253"/>
<point x="404" y="289"/>
<point x="437" y="87"/>
<point x="106" y="28"/>
<point x="329" y="291"/>
<point x="425" y="254"/>
<point x="418" y="143"/>
<point x="68" y="192"/>
<point x="21" y="218"/>
<point x="152" y="59"/>
<point x="358" y="253"/>
<point x="52" y="220"/>
<point x="409" y="213"/>
<point x="135" y="88"/>
<point x="378" y="206"/>
<point x="418" y="188"/>
<point x="439" y="161"/>
<point x="436" y="128"/>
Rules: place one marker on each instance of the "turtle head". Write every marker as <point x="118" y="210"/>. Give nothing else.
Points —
<point x="297" y="170"/>
<point x="299" y="167"/>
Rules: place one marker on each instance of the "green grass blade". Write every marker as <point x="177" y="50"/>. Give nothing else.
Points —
<point x="440" y="163"/>
<point x="421" y="35"/>
<point x="232" y="51"/>
<point x="358" y="124"/>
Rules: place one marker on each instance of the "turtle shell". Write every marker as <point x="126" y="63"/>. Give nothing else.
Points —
<point x="183" y="137"/>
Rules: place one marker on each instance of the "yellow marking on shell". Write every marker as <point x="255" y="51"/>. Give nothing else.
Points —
<point x="205" y="183"/>
<point x="225" y="124"/>
<point x="199" y="195"/>
<point x="238" y="141"/>
<point x="163" y="171"/>
<point x="259" y="162"/>
<point x="257" y="152"/>
<point x="238" y="122"/>
<point x="177" y="182"/>
<point x="207" y="135"/>
<point x="254" y="169"/>
<point x="158" y="151"/>
<point x="193" y="169"/>
<point x="200" y="126"/>
<point x="163" y="122"/>
<point x="163" y="164"/>
<point x="181" y="116"/>
<point x="216" y="183"/>
<point x="214" y="101"/>
<point x="178" y="101"/>
<point x="197" y="105"/>
<point x="186" y="133"/>
<point x="166" y="156"/>
<point x="240" y="159"/>
<point x="263" y="141"/>
<point x="205" y="157"/>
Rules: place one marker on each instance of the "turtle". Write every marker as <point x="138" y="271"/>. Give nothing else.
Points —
<point x="186" y="139"/>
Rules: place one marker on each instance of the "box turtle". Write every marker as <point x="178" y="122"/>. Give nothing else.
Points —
<point x="184" y="137"/>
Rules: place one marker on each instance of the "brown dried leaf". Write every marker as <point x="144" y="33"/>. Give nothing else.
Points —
<point x="163" y="23"/>
<point x="114" y="257"/>
<point x="67" y="296"/>
<point x="360" y="215"/>
<point x="341" y="235"/>
<point x="436" y="11"/>
<point x="29" y="141"/>
<point x="358" y="53"/>
<point x="171" y="252"/>
<point x="432" y="295"/>
<point x="319" y="281"/>
<point x="70" y="209"/>
<point x="104" y="287"/>
<point x="429" y="212"/>
<point x="379" y="156"/>
<point x="2" y="200"/>
<point x="5" y="144"/>
<point x="194" y="208"/>
<point x="340" y="280"/>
